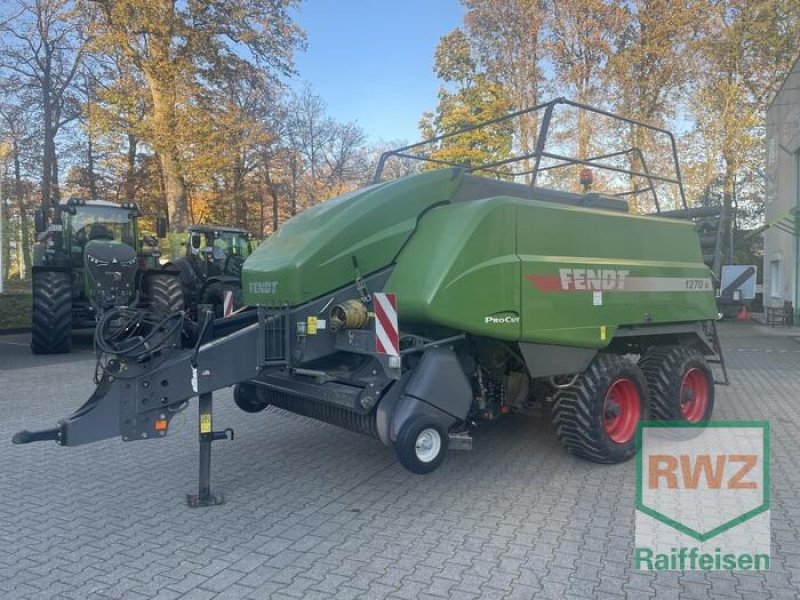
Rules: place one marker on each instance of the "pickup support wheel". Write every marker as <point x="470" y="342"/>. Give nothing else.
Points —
<point x="596" y="417"/>
<point x="681" y="384"/>
<point x="421" y="445"/>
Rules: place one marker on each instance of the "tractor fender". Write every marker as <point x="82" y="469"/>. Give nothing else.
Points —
<point x="51" y="268"/>
<point x="39" y="254"/>
<point x="146" y="274"/>
<point x="226" y="279"/>
<point x="185" y="271"/>
<point x="436" y="388"/>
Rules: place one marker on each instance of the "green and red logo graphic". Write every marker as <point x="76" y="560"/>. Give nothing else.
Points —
<point x="702" y="498"/>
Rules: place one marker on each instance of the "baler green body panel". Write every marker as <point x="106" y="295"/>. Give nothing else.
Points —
<point x="461" y="267"/>
<point x="586" y="272"/>
<point x="502" y="267"/>
<point x="472" y="266"/>
<point x="312" y="253"/>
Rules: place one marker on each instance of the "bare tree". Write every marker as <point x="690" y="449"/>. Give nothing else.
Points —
<point x="327" y="157"/>
<point x="41" y="50"/>
<point x="18" y="124"/>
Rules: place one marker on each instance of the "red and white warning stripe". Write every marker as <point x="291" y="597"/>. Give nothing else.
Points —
<point x="387" y="334"/>
<point x="227" y="305"/>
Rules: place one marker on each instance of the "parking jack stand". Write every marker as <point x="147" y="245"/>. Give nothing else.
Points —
<point x="205" y="497"/>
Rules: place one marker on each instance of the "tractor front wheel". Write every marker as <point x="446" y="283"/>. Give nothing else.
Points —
<point x="165" y="292"/>
<point x="681" y="384"/>
<point x="51" y="320"/>
<point x="597" y="416"/>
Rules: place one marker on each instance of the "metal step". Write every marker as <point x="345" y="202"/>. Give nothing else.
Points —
<point x="459" y="441"/>
<point x="720" y="359"/>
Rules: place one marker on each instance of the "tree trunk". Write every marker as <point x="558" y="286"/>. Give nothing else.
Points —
<point x="23" y="213"/>
<point x="47" y="147"/>
<point x="165" y="131"/>
<point x="130" y="173"/>
<point x="239" y="199"/>
<point x="90" y="168"/>
<point x="55" y="192"/>
<point x="261" y="214"/>
<point x="273" y="193"/>
<point x="725" y="221"/>
<point x="293" y="167"/>
<point x="275" y="210"/>
<point x="5" y="249"/>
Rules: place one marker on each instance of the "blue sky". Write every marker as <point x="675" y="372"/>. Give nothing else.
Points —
<point x="372" y="60"/>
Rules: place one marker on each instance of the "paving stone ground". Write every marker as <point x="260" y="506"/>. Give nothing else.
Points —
<point x="313" y="511"/>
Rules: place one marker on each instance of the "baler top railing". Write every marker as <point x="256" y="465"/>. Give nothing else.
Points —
<point x="417" y="151"/>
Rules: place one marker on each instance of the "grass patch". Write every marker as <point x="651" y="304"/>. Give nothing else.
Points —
<point x="15" y="305"/>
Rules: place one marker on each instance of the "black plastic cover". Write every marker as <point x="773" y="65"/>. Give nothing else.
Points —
<point x="439" y="380"/>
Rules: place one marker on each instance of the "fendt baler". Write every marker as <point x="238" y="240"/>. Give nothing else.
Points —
<point x="416" y="309"/>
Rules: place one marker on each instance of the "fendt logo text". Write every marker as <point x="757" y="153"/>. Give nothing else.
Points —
<point x="702" y="498"/>
<point x="263" y="287"/>
<point x="592" y="279"/>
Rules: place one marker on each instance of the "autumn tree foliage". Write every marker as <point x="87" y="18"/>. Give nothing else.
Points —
<point x="506" y="37"/>
<point x="704" y="68"/>
<point x="184" y="108"/>
<point x="467" y="98"/>
<point x="182" y="49"/>
<point x="748" y="48"/>
<point x="193" y="109"/>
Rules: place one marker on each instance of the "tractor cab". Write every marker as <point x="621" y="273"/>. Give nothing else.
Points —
<point x="218" y="251"/>
<point x="97" y="221"/>
<point x="102" y="241"/>
<point x="211" y="268"/>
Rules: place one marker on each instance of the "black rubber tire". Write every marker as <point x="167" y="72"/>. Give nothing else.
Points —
<point x="578" y="411"/>
<point x="51" y="318"/>
<point x="215" y="294"/>
<point x="246" y="397"/>
<point x="664" y="368"/>
<point x="165" y="293"/>
<point x="405" y="445"/>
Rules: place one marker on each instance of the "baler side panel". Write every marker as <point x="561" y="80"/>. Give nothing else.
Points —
<point x="586" y="272"/>
<point x="460" y="270"/>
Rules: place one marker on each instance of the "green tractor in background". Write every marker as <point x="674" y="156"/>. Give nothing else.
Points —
<point x="211" y="268"/>
<point x="88" y="261"/>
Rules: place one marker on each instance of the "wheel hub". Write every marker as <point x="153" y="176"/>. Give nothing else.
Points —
<point x="428" y="445"/>
<point x="621" y="410"/>
<point x="694" y="395"/>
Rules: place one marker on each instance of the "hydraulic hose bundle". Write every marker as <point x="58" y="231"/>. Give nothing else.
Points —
<point x="133" y="334"/>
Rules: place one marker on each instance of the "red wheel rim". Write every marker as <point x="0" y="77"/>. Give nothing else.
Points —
<point x="694" y="395"/>
<point x="622" y="409"/>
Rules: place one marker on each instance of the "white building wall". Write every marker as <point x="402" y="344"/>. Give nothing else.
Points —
<point x="783" y="192"/>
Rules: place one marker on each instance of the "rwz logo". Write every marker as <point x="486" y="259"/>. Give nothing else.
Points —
<point x="702" y="497"/>
<point x="693" y="470"/>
